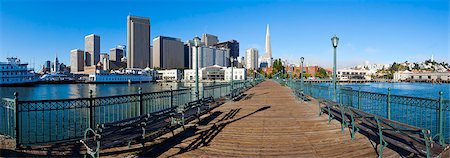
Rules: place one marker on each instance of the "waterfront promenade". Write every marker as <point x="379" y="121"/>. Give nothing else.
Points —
<point x="268" y="121"/>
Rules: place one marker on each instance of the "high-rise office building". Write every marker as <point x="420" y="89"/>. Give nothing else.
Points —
<point x="115" y="54"/>
<point x="209" y="56"/>
<point x="76" y="60"/>
<point x="104" y="59"/>
<point x="56" y="64"/>
<point x="168" y="53"/>
<point x="138" y="42"/>
<point x="48" y="64"/>
<point x="251" y="56"/>
<point x="92" y="49"/>
<point x="233" y="46"/>
<point x="209" y="40"/>
<point x="187" y="56"/>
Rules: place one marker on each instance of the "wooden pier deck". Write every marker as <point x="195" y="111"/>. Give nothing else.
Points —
<point x="268" y="122"/>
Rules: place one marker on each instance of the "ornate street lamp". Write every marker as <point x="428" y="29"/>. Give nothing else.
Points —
<point x="196" y="45"/>
<point x="334" y="41"/>
<point x="301" y="74"/>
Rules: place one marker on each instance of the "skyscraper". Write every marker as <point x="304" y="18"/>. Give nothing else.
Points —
<point x="233" y="46"/>
<point x="115" y="54"/>
<point x="268" y="48"/>
<point x="251" y="56"/>
<point x="267" y="58"/>
<point x="56" y="65"/>
<point x="209" y="40"/>
<point x="138" y="42"/>
<point x="76" y="60"/>
<point x="92" y="49"/>
<point x="168" y="53"/>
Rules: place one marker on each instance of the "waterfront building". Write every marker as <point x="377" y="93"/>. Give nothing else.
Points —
<point x="168" y="53"/>
<point x="421" y="77"/>
<point x="168" y="75"/>
<point x="266" y="59"/>
<point x="238" y="74"/>
<point x="251" y="55"/>
<point x="92" y="49"/>
<point x="14" y="72"/>
<point x="138" y="42"/>
<point x="129" y="76"/>
<point x="215" y="73"/>
<point x="209" y="40"/>
<point x="116" y="54"/>
<point x="233" y="46"/>
<point x="76" y="60"/>
<point x="349" y="74"/>
<point x="104" y="60"/>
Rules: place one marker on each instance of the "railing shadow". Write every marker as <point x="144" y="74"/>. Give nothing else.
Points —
<point x="204" y="138"/>
<point x="68" y="149"/>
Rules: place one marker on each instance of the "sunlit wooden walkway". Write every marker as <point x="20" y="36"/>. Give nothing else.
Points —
<point x="269" y="121"/>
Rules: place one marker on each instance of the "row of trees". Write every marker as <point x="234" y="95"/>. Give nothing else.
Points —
<point x="277" y="66"/>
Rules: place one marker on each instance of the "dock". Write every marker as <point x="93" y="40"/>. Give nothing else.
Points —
<point x="268" y="121"/>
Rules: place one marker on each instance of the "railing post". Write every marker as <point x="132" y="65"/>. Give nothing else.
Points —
<point x="441" y="120"/>
<point x="171" y="97"/>
<point x="91" y="110"/>
<point x="141" y="106"/>
<point x="359" y="99"/>
<point x="203" y="91"/>
<point x="16" y="119"/>
<point x="389" y="104"/>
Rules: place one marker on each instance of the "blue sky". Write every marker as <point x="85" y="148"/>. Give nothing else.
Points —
<point x="374" y="30"/>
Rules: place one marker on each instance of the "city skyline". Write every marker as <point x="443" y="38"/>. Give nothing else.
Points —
<point x="406" y="30"/>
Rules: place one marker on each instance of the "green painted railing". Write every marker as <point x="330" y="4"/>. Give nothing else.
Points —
<point x="432" y="114"/>
<point x="51" y="121"/>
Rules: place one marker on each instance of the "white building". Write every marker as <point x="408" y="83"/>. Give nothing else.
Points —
<point x="427" y="76"/>
<point x="251" y="56"/>
<point x="350" y="74"/>
<point x="215" y="73"/>
<point x="238" y="74"/>
<point x="168" y="75"/>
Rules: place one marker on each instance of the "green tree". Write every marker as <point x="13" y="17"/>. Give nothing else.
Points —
<point x="322" y="73"/>
<point x="277" y="66"/>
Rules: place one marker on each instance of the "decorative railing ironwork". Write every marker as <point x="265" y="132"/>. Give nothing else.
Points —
<point x="51" y="121"/>
<point x="432" y="114"/>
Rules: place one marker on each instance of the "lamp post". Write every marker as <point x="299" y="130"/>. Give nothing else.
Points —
<point x="232" y="75"/>
<point x="196" y="44"/>
<point x="334" y="42"/>
<point x="301" y="74"/>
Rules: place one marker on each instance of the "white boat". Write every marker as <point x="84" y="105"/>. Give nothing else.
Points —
<point x="15" y="73"/>
<point x="127" y="77"/>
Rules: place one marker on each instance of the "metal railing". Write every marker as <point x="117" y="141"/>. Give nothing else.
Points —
<point x="51" y="121"/>
<point x="432" y="114"/>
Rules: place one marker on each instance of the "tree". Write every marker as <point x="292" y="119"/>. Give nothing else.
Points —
<point x="307" y="75"/>
<point x="322" y="73"/>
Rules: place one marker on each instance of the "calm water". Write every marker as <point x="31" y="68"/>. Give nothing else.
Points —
<point x="423" y="90"/>
<point x="64" y="91"/>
